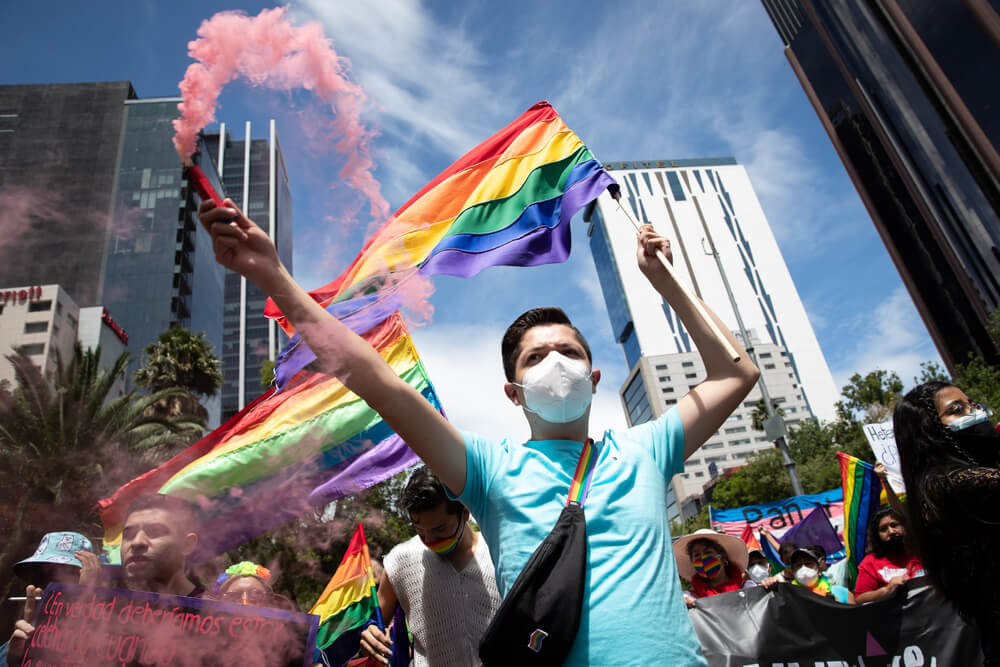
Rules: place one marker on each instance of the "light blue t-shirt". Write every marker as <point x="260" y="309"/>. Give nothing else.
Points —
<point x="633" y="611"/>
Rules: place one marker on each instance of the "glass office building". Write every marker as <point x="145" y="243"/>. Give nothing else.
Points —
<point x="160" y="267"/>
<point x="905" y="91"/>
<point x="254" y="176"/>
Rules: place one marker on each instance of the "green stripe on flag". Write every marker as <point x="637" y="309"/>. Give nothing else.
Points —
<point x="348" y="619"/>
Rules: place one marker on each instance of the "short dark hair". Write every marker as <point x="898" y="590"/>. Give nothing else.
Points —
<point x="785" y="551"/>
<point x="424" y="492"/>
<point x="707" y="541"/>
<point x="188" y="512"/>
<point x="510" y="346"/>
<point x="875" y="543"/>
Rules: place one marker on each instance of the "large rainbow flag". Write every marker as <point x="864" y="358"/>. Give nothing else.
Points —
<point x="346" y="603"/>
<point x="861" y="500"/>
<point x="508" y="201"/>
<point x="284" y="454"/>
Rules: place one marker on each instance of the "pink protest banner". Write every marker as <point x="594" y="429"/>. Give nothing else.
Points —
<point x="780" y="515"/>
<point x="77" y="625"/>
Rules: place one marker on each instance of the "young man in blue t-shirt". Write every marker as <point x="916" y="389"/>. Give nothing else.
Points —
<point x="516" y="490"/>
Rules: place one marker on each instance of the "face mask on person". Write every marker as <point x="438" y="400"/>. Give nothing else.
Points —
<point x="707" y="567"/>
<point x="758" y="572"/>
<point x="894" y="544"/>
<point x="806" y="576"/>
<point x="977" y="437"/>
<point x="448" y="544"/>
<point x="558" y="389"/>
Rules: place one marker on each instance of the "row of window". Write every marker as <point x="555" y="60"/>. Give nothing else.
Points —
<point x="663" y="367"/>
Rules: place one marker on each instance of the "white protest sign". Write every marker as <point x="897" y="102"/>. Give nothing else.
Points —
<point x="883" y="443"/>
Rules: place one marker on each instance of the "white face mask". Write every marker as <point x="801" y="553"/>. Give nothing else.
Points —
<point x="557" y="389"/>
<point x="758" y="573"/>
<point x="806" y="576"/>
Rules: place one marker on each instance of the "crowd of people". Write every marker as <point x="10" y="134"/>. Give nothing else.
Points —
<point x="458" y="585"/>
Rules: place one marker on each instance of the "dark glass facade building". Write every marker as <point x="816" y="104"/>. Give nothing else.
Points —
<point x="905" y="91"/>
<point x="59" y="150"/>
<point x="92" y="198"/>
<point x="160" y="267"/>
<point x="254" y="177"/>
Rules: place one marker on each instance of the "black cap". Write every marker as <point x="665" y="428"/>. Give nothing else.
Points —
<point x="812" y="552"/>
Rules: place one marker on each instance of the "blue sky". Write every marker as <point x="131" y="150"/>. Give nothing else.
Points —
<point x="636" y="81"/>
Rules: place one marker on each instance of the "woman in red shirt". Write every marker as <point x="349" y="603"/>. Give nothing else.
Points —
<point x="890" y="563"/>
<point x="713" y="562"/>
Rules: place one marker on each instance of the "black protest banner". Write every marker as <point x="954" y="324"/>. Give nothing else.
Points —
<point x="791" y="626"/>
<point x="76" y="625"/>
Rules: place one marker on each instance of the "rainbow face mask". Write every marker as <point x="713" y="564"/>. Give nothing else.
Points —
<point x="448" y="544"/>
<point x="707" y="567"/>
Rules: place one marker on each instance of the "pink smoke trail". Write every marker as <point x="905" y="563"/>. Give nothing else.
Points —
<point x="269" y="51"/>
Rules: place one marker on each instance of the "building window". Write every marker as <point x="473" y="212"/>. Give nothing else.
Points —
<point x="780" y="399"/>
<point x="692" y="462"/>
<point x="661" y="367"/>
<point x="699" y="474"/>
<point x="39" y="306"/>
<point x="667" y="390"/>
<point x="687" y="364"/>
<point x="750" y="404"/>
<point x="664" y="378"/>
<point x="737" y="429"/>
<point x="35" y="327"/>
<point x="768" y="367"/>
<point x="690" y="376"/>
<point x="670" y="401"/>
<point x="765" y="355"/>
<point x="712" y="445"/>
<point x="686" y="476"/>
<point x="715" y="459"/>
<point x="745" y="441"/>
<point x="32" y="349"/>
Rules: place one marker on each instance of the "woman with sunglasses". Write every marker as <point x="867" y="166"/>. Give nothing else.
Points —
<point x="950" y="459"/>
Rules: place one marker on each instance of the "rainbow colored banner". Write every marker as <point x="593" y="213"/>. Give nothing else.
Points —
<point x="508" y="201"/>
<point x="779" y="516"/>
<point x="346" y="603"/>
<point x="861" y="500"/>
<point x="284" y="454"/>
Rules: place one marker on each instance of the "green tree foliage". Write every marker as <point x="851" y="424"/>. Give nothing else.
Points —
<point x="760" y="414"/>
<point x="872" y="396"/>
<point x="304" y="553"/>
<point x="266" y="373"/>
<point x="180" y="358"/>
<point x="66" y="443"/>
<point x="691" y="524"/>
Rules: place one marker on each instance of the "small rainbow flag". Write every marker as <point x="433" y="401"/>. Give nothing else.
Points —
<point x="346" y="603"/>
<point x="508" y="201"/>
<point x="284" y="454"/>
<point x="861" y="500"/>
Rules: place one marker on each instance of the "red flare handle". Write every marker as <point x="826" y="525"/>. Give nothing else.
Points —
<point x="196" y="177"/>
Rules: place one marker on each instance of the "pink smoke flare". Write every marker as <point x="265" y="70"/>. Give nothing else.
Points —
<point x="269" y="51"/>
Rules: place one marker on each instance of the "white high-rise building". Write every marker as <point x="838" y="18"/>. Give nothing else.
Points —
<point x="690" y="202"/>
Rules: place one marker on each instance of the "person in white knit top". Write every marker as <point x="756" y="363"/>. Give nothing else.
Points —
<point x="443" y="579"/>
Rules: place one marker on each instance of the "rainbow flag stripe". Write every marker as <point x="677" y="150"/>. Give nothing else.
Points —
<point x="284" y="454"/>
<point x="861" y="500"/>
<point x="508" y="201"/>
<point x="346" y="603"/>
<point x="580" y="485"/>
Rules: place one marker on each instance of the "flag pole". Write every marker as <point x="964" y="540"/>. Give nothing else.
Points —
<point x="698" y="305"/>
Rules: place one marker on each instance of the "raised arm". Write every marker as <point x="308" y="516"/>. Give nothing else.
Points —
<point x="706" y="407"/>
<point x="244" y="248"/>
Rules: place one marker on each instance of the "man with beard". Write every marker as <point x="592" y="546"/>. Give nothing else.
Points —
<point x="890" y="564"/>
<point x="158" y="536"/>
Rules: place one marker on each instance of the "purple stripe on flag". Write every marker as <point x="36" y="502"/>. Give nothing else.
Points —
<point x="387" y="458"/>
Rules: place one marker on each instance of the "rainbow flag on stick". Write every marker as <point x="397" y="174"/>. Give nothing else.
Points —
<point x="861" y="500"/>
<point x="347" y="603"/>
<point x="284" y="454"/>
<point x="508" y="201"/>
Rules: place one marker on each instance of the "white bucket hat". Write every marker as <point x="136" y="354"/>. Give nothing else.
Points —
<point x="734" y="548"/>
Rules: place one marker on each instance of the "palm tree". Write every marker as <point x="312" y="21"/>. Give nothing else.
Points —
<point x="64" y="444"/>
<point x="182" y="359"/>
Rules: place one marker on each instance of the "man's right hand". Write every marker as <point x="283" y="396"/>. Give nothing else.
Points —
<point x="240" y="245"/>
<point x="376" y="644"/>
<point x="23" y="629"/>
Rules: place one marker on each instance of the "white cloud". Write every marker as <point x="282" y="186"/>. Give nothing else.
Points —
<point x="891" y="337"/>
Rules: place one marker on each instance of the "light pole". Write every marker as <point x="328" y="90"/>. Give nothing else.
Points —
<point x="774" y="426"/>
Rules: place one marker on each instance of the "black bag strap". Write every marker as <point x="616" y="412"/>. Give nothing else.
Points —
<point x="580" y="485"/>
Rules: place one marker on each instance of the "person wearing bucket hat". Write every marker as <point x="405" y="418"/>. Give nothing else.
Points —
<point x="713" y="562"/>
<point x="62" y="557"/>
<point x="758" y="566"/>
